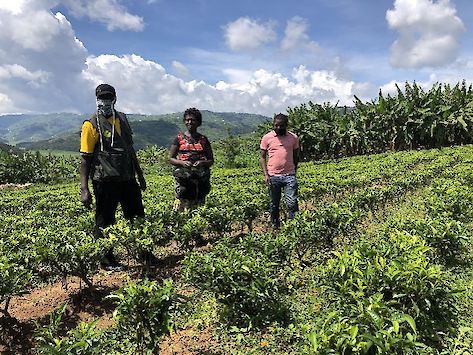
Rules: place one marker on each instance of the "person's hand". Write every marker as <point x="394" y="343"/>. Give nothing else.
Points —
<point x="267" y="180"/>
<point x="142" y="182"/>
<point x="187" y="164"/>
<point x="198" y="164"/>
<point x="86" y="197"/>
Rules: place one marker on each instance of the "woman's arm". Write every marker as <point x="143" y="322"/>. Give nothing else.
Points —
<point x="173" y="158"/>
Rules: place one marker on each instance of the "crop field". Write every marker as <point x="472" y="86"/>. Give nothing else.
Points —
<point x="379" y="260"/>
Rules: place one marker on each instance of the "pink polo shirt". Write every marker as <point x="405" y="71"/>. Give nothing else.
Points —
<point x="280" y="152"/>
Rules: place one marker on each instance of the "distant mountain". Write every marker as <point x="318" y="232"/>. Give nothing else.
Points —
<point x="148" y="129"/>
<point x="31" y="127"/>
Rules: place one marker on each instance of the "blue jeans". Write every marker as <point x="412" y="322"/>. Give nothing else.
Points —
<point x="289" y="184"/>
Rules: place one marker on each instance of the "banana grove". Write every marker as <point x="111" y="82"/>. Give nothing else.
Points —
<point x="413" y="118"/>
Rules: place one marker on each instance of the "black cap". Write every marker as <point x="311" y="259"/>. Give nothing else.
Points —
<point x="105" y="89"/>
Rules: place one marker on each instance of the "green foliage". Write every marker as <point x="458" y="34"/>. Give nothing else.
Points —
<point x="316" y="127"/>
<point x="71" y="252"/>
<point x="441" y="116"/>
<point x="84" y="339"/>
<point x="34" y="167"/>
<point x="237" y="151"/>
<point x="15" y="277"/>
<point x="398" y="269"/>
<point x="382" y="292"/>
<point x="444" y="235"/>
<point x="370" y="327"/>
<point x="142" y="312"/>
<point x="155" y="159"/>
<point x="246" y="280"/>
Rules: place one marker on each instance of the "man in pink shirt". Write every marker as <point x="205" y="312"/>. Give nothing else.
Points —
<point x="278" y="159"/>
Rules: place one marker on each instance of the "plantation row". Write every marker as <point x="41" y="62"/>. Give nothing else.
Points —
<point x="48" y="242"/>
<point x="323" y="284"/>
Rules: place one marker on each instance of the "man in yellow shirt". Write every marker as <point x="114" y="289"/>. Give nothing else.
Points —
<point x="109" y="160"/>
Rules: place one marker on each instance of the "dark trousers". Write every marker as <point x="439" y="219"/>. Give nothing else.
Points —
<point x="108" y="194"/>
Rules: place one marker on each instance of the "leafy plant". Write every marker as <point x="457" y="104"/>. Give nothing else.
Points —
<point x="248" y="283"/>
<point x="142" y="312"/>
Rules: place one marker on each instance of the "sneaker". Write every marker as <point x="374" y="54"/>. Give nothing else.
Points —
<point x="110" y="263"/>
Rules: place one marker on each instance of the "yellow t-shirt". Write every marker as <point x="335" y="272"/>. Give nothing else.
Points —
<point x="89" y="135"/>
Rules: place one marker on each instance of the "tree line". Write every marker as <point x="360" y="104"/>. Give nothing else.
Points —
<point x="413" y="118"/>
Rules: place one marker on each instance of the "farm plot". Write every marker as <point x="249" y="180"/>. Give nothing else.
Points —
<point x="377" y="261"/>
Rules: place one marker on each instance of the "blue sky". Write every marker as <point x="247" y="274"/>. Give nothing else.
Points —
<point x="247" y="56"/>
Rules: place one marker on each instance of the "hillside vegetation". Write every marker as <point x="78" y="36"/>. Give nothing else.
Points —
<point x="378" y="261"/>
<point x="62" y="131"/>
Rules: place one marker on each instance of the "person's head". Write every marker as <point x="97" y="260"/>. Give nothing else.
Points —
<point x="280" y="122"/>
<point x="106" y="98"/>
<point x="192" y="118"/>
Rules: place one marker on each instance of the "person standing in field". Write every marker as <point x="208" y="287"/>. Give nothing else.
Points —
<point x="192" y="156"/>
<point x="109" y="160"/>
<point x="279" y="151"/>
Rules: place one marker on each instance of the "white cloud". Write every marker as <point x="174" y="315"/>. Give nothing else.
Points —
<point x="109" y="12"/>
<point x="246" y="33"/>
<point x="41" y="60"/>
<point x="144" y="86"/>
<point x="239" y="76"/>
<point x="17" y="71"/>
<point x="14" y="7"/>
<point x="180" y="69"/>
<point x="6" y="104"/>
<point x="429" y="33"/>
<point x="295" y="35"/>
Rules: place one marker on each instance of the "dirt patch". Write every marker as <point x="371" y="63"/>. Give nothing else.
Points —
<point x="189" y="341"/>
<point x="84" y="305"/>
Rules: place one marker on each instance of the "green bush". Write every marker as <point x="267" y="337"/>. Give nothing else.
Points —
<point x="399" y="269"/>
<point x="84" y="339"/>
<point x="142" y="312"/>
<point x="371" y="326"/>
<point x="248" y="283"/>
<point x="34" y="167"/>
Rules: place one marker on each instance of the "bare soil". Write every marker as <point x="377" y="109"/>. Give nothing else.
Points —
<point x="32" y="309"/>
<point x="84" y="305"/>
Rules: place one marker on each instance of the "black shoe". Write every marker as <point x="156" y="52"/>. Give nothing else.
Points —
<point x="200" y="241"/>
<point x="149" y="258"/>
<point x="110" y="263"/>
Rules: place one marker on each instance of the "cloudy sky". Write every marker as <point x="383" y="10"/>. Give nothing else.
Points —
<point x="246" y="56"/>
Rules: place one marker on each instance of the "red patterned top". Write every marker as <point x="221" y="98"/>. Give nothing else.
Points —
<point x="191" y="148"/>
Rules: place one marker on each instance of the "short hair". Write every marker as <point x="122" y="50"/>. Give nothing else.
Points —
<point x="282" y="117"/>
<point x="192" y="111"/>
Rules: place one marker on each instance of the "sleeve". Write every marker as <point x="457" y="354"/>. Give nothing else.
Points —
<point x="264" y="143"/>
<point x="175" y="141"/>
<point x="296" y="143"/>
<point x="88" y="138"/>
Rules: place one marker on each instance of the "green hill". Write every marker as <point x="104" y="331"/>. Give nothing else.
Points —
<point x="35" y="127"/>
<point x="61" y="131"/>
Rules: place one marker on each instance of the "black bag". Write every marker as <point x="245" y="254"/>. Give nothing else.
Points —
<point x="191" y="173"/>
